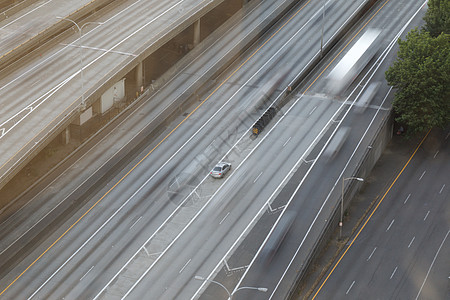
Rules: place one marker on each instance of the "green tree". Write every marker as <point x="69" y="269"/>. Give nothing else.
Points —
<point x="437" y="17"/>
<point x="421" y="75"/>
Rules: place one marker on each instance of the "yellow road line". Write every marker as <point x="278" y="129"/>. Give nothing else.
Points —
<point x="140" y="161"/>
<point x="370" y="216"/>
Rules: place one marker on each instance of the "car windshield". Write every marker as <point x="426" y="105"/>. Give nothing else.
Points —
<point x="217" y="169"/>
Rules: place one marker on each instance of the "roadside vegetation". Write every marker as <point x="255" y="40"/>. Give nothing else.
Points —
<point x="421" y="73"/>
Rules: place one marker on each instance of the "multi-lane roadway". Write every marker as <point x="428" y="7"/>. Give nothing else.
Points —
<point x="147" y="229"/>
<point x="402" y="250"/>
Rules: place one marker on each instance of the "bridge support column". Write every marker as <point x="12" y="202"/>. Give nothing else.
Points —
<point x="196" y="32"/>
<point x="139" y="76"/>
<point x="66" y="136"/>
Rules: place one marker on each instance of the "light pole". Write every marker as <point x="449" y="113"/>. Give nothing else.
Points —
<point x="230" y="295"/>
<point x="323" y="24"/>
<point x="342" y="202"/>
<point x="81" y="53"/>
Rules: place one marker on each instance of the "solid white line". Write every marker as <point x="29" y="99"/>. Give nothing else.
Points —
<point x="426" y="216"/>
<point x="313" y="110"/>
<point x="392" y="275"/>
<point x="393" y="42"/>
<point x="350" y="287"/>
<point x="136" y="222"/>
<point x="406" y="200"/>
<point x="285" y="143"/>
<point x="432" y="263"/>
<point x="422" y="175"/>
<point x="100" y="49"/>
<point x="185" y="266"/>
<point x="86" y="273"/>
<point x="24" y="15"/>
<point x="410" y="243"/>
<point x="113" y="47"/>
<point x="257" y="177"/>
<point x="373" y="251"/>
<point x="220" y="223"/>
<point x="442" y="189"/>
<point x="390" y="225"/>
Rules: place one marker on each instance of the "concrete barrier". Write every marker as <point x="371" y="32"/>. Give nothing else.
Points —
<point x="370" y="157"/>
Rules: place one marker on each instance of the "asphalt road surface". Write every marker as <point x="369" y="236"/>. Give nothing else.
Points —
<point x="324" y="180"/>
<point x="159" y="221"/>
<point x="402" y="251"/>
<point x="42" y="91"/>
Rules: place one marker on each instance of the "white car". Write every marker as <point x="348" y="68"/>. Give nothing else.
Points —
<point x="220" y="170"/>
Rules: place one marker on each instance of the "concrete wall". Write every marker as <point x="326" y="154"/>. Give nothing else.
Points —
<point x="378" y="143"/>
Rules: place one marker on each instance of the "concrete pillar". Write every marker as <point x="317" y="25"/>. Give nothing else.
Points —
<point x="196" y="32"/>
<point x="139" y="76"/>
<point x="66" y="136"/>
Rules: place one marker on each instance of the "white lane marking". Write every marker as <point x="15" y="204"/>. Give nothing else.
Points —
<point x="24" y="15"/>
<point x="257" y="177"/>
<point x="285" y="143"/>
<point x="185" y="266"/>
<point x="392" y="222"/>
<point x="36" y="82"/>
<point x="136" y="222"/>
<point x="392" y="275"/>
<point x="103" y="54"/>
<point x="370" y="256"/>
<point x="448" y="134"/>
<point x="351" y="285"/>
<point x="422" y="175"/>
<point x="406" y="200"/>
<point x="426" y="215"/>
<point x="313" y="110"/>
<point x="442" y="189"/>
<point x="100" y="49"/>
<point x="220" y="223"/>
<point x="86" y="273"/>
<point x="393" y="42"/>
<point x="432" y="263"/>
<point x="436" y="154"/>
<point x="410" y="243"/>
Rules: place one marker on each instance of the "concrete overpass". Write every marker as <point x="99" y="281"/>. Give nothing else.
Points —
<point x="45" y="96"/>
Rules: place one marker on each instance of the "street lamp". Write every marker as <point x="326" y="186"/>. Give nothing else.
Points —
<point x="230" y="295"/>
<point x="81" y="52"/>
<point x="342" y="202"/>
<point x="323" y="24"/>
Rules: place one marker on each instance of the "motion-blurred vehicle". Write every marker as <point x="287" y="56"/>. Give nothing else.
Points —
<point x="220" y="170"/>
<point x="353" y="62"/>
<point x="277" y="236"/>
<point x="366" y="97"/>
<point x="336" y="142"/>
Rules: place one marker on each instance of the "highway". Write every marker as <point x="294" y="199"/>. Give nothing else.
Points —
<point x="21" y="27"/>
<point x="138" y="210"/>
<point x="42" y="94"/>
<point x="402" y="252"/>
<point x="134" y="236"/>
<point x="305" y="198"/>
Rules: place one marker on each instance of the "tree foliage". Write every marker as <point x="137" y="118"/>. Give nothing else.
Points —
<point x="437" y="17"/>
<point x="421" y="75"/>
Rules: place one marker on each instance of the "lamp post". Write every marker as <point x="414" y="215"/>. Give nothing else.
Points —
<point x="81" y="52"/>
<point x="230" y="295"/>
<point x="323" y="24"/>
<point x="342" y="202"/>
